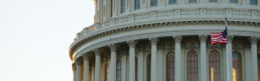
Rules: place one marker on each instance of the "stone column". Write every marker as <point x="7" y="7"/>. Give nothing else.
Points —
<point x="203" y="58"/>
<point x="74" y="71"/>
<point x="98" y="64"/>
<point x="230" y="39"/>
<point x="79" y="63"/>
<point x="140" y="66"/>
<point x="131" y="44"/>
<point x="178" y="69"/>
<point x="86" y="67"/>
<point x="154" y="41"/>
<point x="124" y="66"/>
<point x="254" y="58"/>
<point x="113" y="48"/>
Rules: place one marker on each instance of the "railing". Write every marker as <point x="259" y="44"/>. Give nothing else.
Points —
<point x="167" y="14"/>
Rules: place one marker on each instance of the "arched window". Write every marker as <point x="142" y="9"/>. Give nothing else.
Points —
<point x="236" y="66"/>
<point x="258" y="61"/>
<point x="153" y="2"/>
<point x="107" y="71"/>
<point x="118" y="71"/>
<point x="213" y="1"/>
<point x="122" y="6"/>
<point x="136" y="68"/>
<point x="171" y="66"/>
<point x="192" y="1"/>
<point x="137" y="4"/>
<point x="172" y="1"/>
<point x="233" y="1"/>
<point x="214" y="66"/>
<point x="253" y="2"/>
<point x="192" y="66"/>
<point x="148" y="68"/>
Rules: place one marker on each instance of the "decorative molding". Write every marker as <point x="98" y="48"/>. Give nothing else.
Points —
<point x="78" y="61"/>
<point x="230" y="38"/>
<point x="154" y="40"/>
<point x="73" y="67"/>
<point x="132" y="43"/>
<point x="177" y="39"/>
<point x="203" y="38"/>
<point x="86" y="56"/>
<point x="97" y="51"/>
<point x="113" y="47"/>
<point x="253" y="40"/>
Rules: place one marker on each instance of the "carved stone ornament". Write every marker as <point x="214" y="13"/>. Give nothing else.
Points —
<point x="203" y="38"/>
<point x="154" y="40"/>
<point x="86" y="56"/>
<point x="97" y="51"/>
<point x="113" y="47"/>
<point x="132" y="43"/>
<point x="253" y="40"/>
<point x="230" y="38"/>
<point x="177" y="39"/>
<point x="78" y="61"/>
<point x="73" y="67"/>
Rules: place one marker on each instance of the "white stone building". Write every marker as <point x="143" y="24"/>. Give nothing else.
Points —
<point x="168" y="40"/>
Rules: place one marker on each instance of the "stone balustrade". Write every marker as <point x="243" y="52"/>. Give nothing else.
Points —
<point x="176" y="15"/>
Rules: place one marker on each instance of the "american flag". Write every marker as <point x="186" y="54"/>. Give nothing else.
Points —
<point x="220" y="37"/>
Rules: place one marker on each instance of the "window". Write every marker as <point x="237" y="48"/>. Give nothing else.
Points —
<point x="148" y="68"/>
<point x="153" y="2"/>
<point x="233" y="1"/>
<point x="192" y="1"/>
<point x="258" y="61"/>
<point x="236" y="66"/>
<point x="136" y="68"/>
<point x="192" y="66"/>
<point x="172" y="1"/>
<point x="137" y="4"/>
<point x="122" y="6"/>
<point x="253" y="2"/>
<point x="107" y="70"/>
<point x="213" y="0"/>
<point x="214" y="66"/>
<point x="118" y="71"/>
<point x="171" y="66"/>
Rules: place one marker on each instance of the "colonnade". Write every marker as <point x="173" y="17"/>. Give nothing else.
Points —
<point x="178" y="69"/>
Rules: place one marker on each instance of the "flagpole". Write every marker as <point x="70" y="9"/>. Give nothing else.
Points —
<point x="227" y="58"/>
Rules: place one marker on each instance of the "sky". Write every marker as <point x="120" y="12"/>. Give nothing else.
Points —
<point x="35" y="36"/>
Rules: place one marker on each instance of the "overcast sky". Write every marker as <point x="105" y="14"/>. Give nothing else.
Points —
<point x="35" y="36"/>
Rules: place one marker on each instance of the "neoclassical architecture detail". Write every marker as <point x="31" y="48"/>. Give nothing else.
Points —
<point x="113" y="47"/>
<point x="154" y="40"/>
<point x="132" y="43"/>
<point x="168" y="40"/>
<point x="203" y="38"/>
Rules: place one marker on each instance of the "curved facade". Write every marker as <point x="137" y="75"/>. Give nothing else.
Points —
<point x="168" y="40"/>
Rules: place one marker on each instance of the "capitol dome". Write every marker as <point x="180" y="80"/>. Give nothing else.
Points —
<point x="168" y="40"/>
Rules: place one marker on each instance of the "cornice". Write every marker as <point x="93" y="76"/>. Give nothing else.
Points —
<point x="103" y="29"/>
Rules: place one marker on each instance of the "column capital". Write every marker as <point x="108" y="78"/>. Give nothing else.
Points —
<point x="86" y="56"/>
<point x="78" y="61"/>
<point x="230" y="38"/>
<point x="113" y="47"/>
<point x="73" y="66"/>
<point x="132" y="43"/>
<point x="97" y="51"/>
<point x="253" y="40"/>
<point x="203" y="38"/>
<point x="154" y="40"/>
<point x="177" y="38"/>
